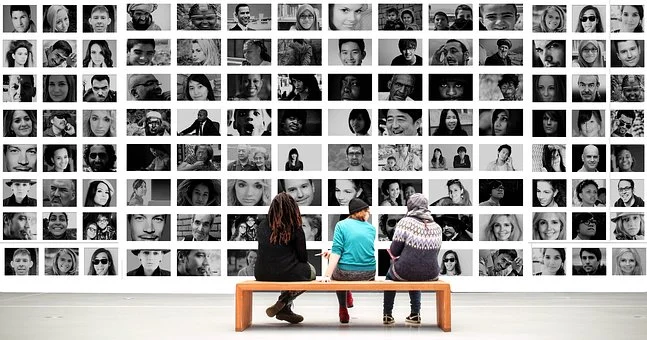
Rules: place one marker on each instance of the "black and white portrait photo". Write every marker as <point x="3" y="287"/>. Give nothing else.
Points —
<point x="451" y="52"/>
<point x="500" y="17"/>
<point x="626" y="192"/>
<point x="246" y="157"/>
<point x="359" y="122"/>
<point x="198" y="122"/>
<point x="400" y="17"/>
<point x="589" y="53"/>
<point x="350" y="157"/>
<point x="501" y="227"/>
<point x="99" y="53"/>
<point x="552" y="87"/>
<point x="587" y="226"/>
<point x="58" y="88"/>
<point x="500" y="262"/>
<point x="199" y="227"/>
<point x="148" y="122"/>
<point x="446" y="87"/>
<point x="20" y="123"/>
<point x="149" y="87"/>
<point x="450" y="122"/>
<point x="628" y="261"/>
<point x="627" y="53"/>
<point x="501" y="122"/>
<point x="249" y="192"/>
<point x="456" y="227"/>
<point x="306" y="192"/>
<point x="300" y="17"/>
<point x="400" y="122"/>
<point x="243" y="227"/>
<point x="455" y="262"/>
<point x="99" y="19"/>
<point x="501" y="157"/>
<point x="199" y="17"/>
<point x="100" y="226"/>
<point x="148" y="157"/>
<point x="20" y="18"/>
<point x="101" y="261"/>
<point x="549" y="123"/>
<point x="402" y="52"/>
<point x="148" y="52"/>
<point x="59" y="19"/>
<point x="199" y="157"/>
<point x="21" y="261"/>
<point x="148" y="192"/>
<point x="451" y="17"/>
<point x="501" y="87"/>
<point x="20" y="193"/>
<point x="249" y="122"/>
<point x="627" y="88"/>
<point x="249" y="17"/>
<point x="149" y="227"/>
<point x="589" y="158"/>
<point x="198" y="87"/>
<point x="148" y="262"/>
<point x="19" y="53"/>
<point x="241" y="262"/>
<point x="549" y="226"/>
<point x="627" y="123"/>
<point x="549" y="53"/>
<point x="198" y="192"/>
<point x="500" y="192"/>
<point x="501" y="52"/>
<point x="249" y="87"/>
<point x="549" y="158"/>
<point x="249" y="52"/>
<point x="300" y="52"/>
<point x="628" y="226"/>
<point x="299" y="87"/>
<point x="549" y="193"/>
<point x="198" y="52"/>
<point x="350" y="52"/>
<point x="301" y="157"/>
<point x="400" y="87"/>
<point x="454" y="157"/>
<point x="351" y="87"/>
<point x="21" y="226"/>
<point x="400" y="157"/>
<point x="589" y="261"/>
<point x="627" y="158"/>
<point x="148" y="17"/>
<point x="342" y="190"/>
<point x="589" y="88"/>
<point x="548" y="261"/>
<point x="589" y="19"/>
<point x="62" y="261"/>
<point x="198" y="262"/>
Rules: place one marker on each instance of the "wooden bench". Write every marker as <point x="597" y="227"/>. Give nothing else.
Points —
<point x="245" y="289"/>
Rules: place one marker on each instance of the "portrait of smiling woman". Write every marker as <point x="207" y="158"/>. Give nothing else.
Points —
<point x="101" y="262"/>
<point x="59" y="88"/>
<point x="501" y="227"/>
<point x="200" y="87"/>
<point x="548" y="261"/>
<point x="549" y="226"/>
<point x="19" y="123"/>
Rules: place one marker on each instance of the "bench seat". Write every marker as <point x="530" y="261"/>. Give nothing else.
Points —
<point x="244" y="290"/>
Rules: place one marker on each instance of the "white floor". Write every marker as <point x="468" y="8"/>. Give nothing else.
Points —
<point x="474" y="316"/>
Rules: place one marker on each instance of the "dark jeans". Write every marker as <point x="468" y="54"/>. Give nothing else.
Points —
<point x="389" y="297"/>
<point x="288" y="296"/>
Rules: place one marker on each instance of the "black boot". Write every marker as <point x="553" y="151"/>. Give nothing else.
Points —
<point x="286" y="314"/>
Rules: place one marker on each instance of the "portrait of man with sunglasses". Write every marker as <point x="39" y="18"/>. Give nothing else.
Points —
<point x="99" y="158"/>
<point x="624" y="123"/>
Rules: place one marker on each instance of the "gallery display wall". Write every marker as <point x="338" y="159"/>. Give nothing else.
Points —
<point x="134" y="136"/>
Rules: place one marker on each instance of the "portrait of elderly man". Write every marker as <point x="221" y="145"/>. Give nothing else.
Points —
<point x="155" y="125"/>
<point x="588" y="89"/>
<point x="18" y="226"/>
<point x="201" y="228"/>
<point x="60" y="193"/>
<point x="19" y="193"/>
<point x="99" y="90"/>
<point x="242" y="163"/>
<point x="146" y="87"/>
<point x="141" y="16"/>
<point x="401" y="87"/>
<point x="501" y="56"/>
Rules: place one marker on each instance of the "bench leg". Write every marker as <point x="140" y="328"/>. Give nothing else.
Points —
<point x="444" y="310"/>
<point x="243" y="309"/>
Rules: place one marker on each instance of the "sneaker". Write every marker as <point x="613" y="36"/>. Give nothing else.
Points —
<point x="343" y="315"/>
<point x="349" y="299"/>
<point x="274" y="309"/>
<point x="388" y="319"/>
<point x="413" y="319"/>
<point x="286" y="314"/>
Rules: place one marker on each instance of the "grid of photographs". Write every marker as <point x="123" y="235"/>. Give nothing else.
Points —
<point x="150" y="128"/>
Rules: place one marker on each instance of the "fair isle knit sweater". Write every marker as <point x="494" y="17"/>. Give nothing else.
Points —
<point x="416" y="241"/>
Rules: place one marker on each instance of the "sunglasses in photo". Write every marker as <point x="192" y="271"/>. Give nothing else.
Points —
<point x="102" y="261"/>
<point x="451" y="259"/>
<point x="590" y="18"/>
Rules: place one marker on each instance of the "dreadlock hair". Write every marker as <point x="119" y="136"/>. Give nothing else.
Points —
<point x="284" y="216"/>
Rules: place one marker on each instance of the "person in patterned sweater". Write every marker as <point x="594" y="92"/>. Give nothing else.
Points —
<point x="414" y="252"/>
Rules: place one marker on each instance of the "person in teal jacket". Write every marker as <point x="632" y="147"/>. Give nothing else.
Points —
<point x="352" y="257"/>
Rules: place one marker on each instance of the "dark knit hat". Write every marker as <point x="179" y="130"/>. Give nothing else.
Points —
<point x="356" y="205"/>
<point x="136" y="251"/>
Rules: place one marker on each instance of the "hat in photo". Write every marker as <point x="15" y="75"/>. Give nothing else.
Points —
<point x="150" y="8"/>
<point x="356" y="205"/>
<point x="451" y="220"/>
<point x="12" y="181"/>
<point x="506" y="42"/>
<point x="153" y="114"/>
<point x="136" y="251"/>
<point x="623" y="214"/>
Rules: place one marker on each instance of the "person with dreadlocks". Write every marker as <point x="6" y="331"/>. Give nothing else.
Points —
<point x="282" y="254"/>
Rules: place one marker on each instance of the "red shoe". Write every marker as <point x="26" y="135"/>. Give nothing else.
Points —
<point x="349" y="299"/>
<point x="343" y="315"/>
